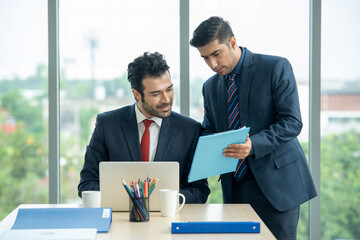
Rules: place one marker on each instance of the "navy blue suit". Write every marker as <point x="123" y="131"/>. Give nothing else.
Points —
<point x="116" y="138"/>
<point x="268" y="103"/>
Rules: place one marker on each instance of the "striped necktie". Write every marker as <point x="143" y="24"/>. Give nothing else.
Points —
<point x="234" y="119"/>
<point x="233" y="103"/>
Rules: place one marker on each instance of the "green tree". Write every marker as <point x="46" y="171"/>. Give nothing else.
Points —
<point x="72" y="161"/>
<point x="86" y="115"/>
<point x="23" y="153"/>
<point x="24" y="111"/>
<point x="303" y="225"/>
<point x="215" y="188"/>
<point x="77" y="89"/>
<point x="39" y="81"/>
<point x="121" y="83"/>
<point x="196" y="92"/>
<point x="23" y="174"/>
<point x="340" y="186"/>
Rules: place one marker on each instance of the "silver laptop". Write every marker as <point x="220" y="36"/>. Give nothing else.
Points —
<point x="113" y="193"/>
<point x="49" y="234"/>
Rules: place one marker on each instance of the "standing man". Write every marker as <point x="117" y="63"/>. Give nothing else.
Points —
<point x="260" y="92"/>
<point x="147" y="130"/>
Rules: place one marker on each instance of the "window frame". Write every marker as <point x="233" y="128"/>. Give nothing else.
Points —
<point x="314" y="98"/>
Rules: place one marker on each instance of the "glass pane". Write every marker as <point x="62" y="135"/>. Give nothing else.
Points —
<point x="278" y="27"/>
<point x="23" y="104"/>
<point x="98" y="39"/>
<point x="340" y="120"/>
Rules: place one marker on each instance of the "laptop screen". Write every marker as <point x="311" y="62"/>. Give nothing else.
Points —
<point x="113" y="193"/>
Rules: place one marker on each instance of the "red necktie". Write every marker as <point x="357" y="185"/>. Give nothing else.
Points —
<point x="145" y="141"/>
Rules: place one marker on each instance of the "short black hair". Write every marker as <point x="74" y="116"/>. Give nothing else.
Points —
<point x="211" y="29"/>
<point x="147" y="65"/>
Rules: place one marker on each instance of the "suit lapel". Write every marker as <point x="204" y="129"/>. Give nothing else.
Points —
<point x="222" y="93"/>
<point x="167" y="133"/>
<point x="246" y="76"/>
<point x="131" y="134"/>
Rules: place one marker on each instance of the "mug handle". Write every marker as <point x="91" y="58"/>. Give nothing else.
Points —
<point x="183" y="203"/>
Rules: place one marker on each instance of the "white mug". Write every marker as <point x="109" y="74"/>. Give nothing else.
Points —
<point x="169" y="199"/>
<point x="91" y="199"/>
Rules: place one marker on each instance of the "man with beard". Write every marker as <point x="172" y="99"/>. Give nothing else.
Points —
<point x="118" y="134"/>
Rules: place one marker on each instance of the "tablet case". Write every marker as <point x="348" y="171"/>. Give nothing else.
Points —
<point x="209" y="159"/>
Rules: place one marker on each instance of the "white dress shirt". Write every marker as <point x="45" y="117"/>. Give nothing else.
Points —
<point x="154" y="130"/>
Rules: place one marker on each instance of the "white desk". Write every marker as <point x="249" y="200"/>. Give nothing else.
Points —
<point x="159" y="227"/>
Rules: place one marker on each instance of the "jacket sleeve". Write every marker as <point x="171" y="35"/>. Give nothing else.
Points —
<point x="198" y="191"/>
<point x="96" y="151"/>
<point x="208" y="125"/>
<point x="287" y="122"/>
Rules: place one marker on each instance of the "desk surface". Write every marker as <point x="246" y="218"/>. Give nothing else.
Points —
<point x="159" y="227"/>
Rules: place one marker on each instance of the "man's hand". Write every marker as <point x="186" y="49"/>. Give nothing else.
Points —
<point x="239" y="151"/>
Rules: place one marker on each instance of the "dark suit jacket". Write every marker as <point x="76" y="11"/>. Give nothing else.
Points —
<point x="268" y="103"/>
<point x="116" y="138"/>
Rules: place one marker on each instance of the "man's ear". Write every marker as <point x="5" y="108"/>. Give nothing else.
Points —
<point x="232" y="42"/>
<point x="137" y="95"/>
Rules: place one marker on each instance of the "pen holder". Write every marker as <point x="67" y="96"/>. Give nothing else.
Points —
<point x="139" y="209"/>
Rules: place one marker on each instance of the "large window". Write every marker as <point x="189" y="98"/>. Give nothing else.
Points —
<point x="98" y="39"/>
<point x="23" y="104"/>
<point x="340" y="120"/>
<point x="262" y="27"/>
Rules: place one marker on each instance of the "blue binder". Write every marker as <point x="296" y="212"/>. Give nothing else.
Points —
<point x="215" y="227"/>
<point x="55" y="218"/>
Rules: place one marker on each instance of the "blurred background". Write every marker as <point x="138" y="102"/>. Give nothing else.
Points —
<point x="99" y="38"/>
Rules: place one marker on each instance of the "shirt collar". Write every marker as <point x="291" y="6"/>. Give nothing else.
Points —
<point x="238" y="67"/>
<point x="140" y="117"/>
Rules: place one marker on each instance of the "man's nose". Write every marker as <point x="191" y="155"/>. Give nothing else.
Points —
<point x="212" y="63"/>
<point x="164" y="97"/>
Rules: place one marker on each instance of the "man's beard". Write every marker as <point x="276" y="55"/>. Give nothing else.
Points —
<point x="155" y="111"/>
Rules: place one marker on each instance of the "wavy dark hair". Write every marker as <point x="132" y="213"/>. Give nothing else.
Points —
<point x="147" y="65"/>
<point x="211" y="29"/>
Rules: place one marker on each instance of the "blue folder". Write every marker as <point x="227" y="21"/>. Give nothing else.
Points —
<point x="209" y="159"/>
<point x="215" y="227"/>
<point x="55" y="218"/>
